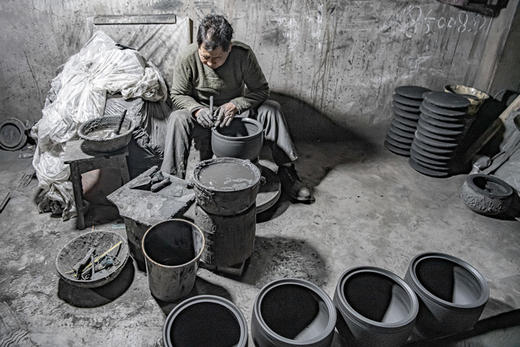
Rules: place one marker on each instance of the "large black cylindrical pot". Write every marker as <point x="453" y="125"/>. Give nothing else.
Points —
<point x="205" y="320"/>
<point x="292" y="312"/>
<point x="376" y="307"/>
<point x="243" y="139"/>
<point x="452" y="293"/>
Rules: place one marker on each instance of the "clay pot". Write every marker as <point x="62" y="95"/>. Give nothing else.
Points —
<point x="243" y="139"/>
<point x="452" y="293"/>
<point x="292" y="312"/>
<point x="226" y="186"/>
<point x="377" y="308"/>
<point x="205" y="320"/>
<point x="92" y="143"/>
<point x="487" y="195"/>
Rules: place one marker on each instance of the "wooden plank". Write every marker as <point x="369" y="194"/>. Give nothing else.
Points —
<point x="135" y="19"/>
<point x="492" y="130"/>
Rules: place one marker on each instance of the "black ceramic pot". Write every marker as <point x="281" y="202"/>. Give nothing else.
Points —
<point x="243" y="139"/>
<point x="292" y="312"/>
<point x="452" y="293"/>
<point x="205" y="320"/>
<point x="377" y="308"/>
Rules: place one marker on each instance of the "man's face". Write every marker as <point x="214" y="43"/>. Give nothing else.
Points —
<point x="214" y="58"/>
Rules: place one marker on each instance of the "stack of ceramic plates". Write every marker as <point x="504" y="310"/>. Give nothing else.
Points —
<point x="405" y="104"/>
<point x="439" y="131"/>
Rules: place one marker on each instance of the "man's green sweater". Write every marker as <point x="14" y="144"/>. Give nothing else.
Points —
<point x="193" y="82"/>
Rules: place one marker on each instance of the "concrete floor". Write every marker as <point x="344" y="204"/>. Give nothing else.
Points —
<point x="371" y="209"/>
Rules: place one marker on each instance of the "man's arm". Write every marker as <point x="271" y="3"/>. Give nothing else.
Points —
<point x="182" y="86"/>
<point x="257" y="86"/>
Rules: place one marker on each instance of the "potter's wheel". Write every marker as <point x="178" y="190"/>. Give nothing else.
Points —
<point x="270" y="190"/>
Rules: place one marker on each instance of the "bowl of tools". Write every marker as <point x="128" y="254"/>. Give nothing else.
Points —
<point x="106" y="134"/>
<point x="93" y="259"/>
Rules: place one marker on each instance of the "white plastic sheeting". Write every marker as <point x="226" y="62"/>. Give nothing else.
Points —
<point x="79" y="94"/>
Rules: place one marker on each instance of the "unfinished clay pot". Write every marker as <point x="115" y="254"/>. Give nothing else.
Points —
<point x="452" y="293"/>
<point x="377" y="308"/>
<point x="205" y="320"/>
<point x="292" y="312"/>
<point x="243" y="139"/>
<point x="487" y="195"/>
<point x="412" y="92"/>
<point x="226" y="186"/>
<point x="99" y="134"/>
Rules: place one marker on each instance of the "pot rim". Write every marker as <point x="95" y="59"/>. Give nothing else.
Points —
<point x="331" y="324"/>
<point x="215" y="132"/>
<point x="245" y="162"/>
<point x="509" y="190"/>
<point x="194" y="260"/>
<point x="85" y="137"/>
<point x="349" y="273"/>
<point x="213" y="299"/>
<point x="484" y="288"/>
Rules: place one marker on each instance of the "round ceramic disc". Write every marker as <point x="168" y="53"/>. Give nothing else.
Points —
<point x="440" y="124"/>
<point x="390" y="134"/>
<point x="426" y="160"/>
<point x="404" y="114"/>
<point x="447" y="100"/>
<point x="434" y="149"/>
<point x="402" y="126"/>
<point x="407" y="122"/>
<point x="412" y="92"/>
<point x="429" y="166"/>
<point x="443" y="111"/>
<point x="433" y="142"/>
<point x="434" y="136"/>
<point x="428" y="172"/>
<point x="403" y="134"/>
<point x="428" y="154"/>
<point x="12" y="134"/>
<point x="439" y="131"/>
<point x="398" y="144"/>
<point x="398" y="151"/>
<point x="441" y="118"/>
<point x="405" y="107"/>
<point x="407" y="101"/>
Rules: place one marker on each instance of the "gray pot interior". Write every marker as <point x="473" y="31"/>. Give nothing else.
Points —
<point x="172" y="243"/>
<point x="378" y="298"/>
<point x="205" y="324"/>
<point x="239" y="128"/>
<point x="448" y="281"/>
<point x="227" y="176"/>
<point x="294" y="312"/>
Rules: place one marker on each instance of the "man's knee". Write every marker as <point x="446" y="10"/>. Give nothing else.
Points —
<point x="271" y="106"/>
<point x="179" y="117"/>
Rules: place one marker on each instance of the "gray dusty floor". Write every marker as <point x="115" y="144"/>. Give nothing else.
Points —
<point x="371" y="209"/>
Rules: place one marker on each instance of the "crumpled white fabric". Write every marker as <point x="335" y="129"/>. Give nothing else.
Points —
<point x="79" y="94"/>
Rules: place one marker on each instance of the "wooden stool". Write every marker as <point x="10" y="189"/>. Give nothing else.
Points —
<point x="81" y="162"/>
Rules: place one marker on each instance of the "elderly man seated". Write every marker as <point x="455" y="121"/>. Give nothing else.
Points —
<point x="216" y="66"/>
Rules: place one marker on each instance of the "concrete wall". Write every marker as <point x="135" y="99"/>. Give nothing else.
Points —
<point x="341" y="58"/>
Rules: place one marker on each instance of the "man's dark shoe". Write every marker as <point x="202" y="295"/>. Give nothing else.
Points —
<point x="293" y="185"/>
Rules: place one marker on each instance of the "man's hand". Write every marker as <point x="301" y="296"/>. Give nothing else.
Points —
<point x="225" y="114"/>
<point x="204" y="118"/>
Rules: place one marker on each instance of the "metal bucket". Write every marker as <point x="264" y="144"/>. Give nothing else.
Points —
<point x="226" y="186"/>
<point x="172" y="250"/>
